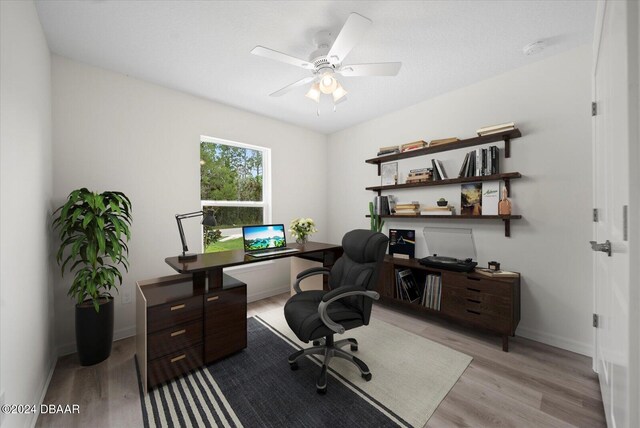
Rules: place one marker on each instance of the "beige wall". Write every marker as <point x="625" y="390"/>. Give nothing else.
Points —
<point x="115" y="132"/>
<point x="550" y="102"/>
<point x="26" y="298"/>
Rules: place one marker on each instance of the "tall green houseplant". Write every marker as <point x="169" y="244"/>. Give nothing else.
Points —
<point x="94" y="230"/>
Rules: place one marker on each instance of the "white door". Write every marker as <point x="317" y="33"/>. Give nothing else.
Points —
<point x="611" y="132"/>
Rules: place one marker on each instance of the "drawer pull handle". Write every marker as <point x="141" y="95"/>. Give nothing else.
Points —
<point x="473" y="312"/>
<point x="178" y="333"/>
<point x="473" y="301"/>
<point x="211" y="299"/>
<point x="473" y="289"/>
<point x="178" y="358"/>
<point x="176" y="307"/>
<point x="473" y="279"/>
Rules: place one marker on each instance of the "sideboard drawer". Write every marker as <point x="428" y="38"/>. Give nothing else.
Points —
<point x="171" y="314"/>
<point x="174" y="365"/>
<point x="474" y="284"/>
<point x="174" y="339"/>
<point x="456" y="302"/>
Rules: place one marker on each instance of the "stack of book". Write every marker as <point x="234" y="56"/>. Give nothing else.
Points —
<point x="406" y="286"/>
<point x="419" y="175"/>
<point x="432" y="293"/>
<point x="413" y="146"/>
<point x="388" y="150"/>
<point x="381" y="205"/>
<point x="496" y="129"/>
<point x="481" y="162"/>
<point x="440" y="142"/>
<point x="448" y="210"/>
<point x="408" y="209"/>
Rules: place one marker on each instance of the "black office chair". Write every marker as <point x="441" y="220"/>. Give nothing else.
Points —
<point x="317" y="314"/>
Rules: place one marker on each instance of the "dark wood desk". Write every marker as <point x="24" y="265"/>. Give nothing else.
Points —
<point x="210" y="265"/>
<point x="184" y="323"/>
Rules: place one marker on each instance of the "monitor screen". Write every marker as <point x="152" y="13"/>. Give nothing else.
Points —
<point x="263" y="237"/>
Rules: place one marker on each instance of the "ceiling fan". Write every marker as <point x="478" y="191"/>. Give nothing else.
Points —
<point x="327" y="61"/>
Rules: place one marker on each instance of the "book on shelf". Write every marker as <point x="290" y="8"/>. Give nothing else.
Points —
<point x="463" y="167"/>
<point x="408" y="285"/>
<point x="436" y="173"/>
<point x="389" y="152"/>
<point x="432" y="292"/>
<point x="496" y="273"/>
<point x="496" y="129"/>
<point x="407" y="205"/>
<point x="435" y="143"/>
<point x="441" y="171"/>
<point x="448" y="210"/>
<point x="490" y="197"/>
<point x="388" y="148"/>
<point x="407" y="212"/>
<point x="381" y="205"/>
<point x="413" y="146"/>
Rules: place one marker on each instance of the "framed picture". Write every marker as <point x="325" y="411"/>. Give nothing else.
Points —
<point x="471" y="199"/>
<point x="389" y="174"/>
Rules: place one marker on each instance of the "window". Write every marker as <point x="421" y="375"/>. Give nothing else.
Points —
<point x="235" y="184"/>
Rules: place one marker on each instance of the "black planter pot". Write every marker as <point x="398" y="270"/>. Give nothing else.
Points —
<point x="94" y="331"/>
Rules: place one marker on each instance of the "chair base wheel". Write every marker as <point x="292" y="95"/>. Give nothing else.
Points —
<point x="366" y="377"/>
<point x="293" y="366"/>
<point x="321" y="391"/>
<point x="354" y="348"/>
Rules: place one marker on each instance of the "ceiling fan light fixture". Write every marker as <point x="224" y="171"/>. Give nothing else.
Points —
<point x="314" y="92"/>
<point x="328" y="84"/>
<point x="339" y="93"/>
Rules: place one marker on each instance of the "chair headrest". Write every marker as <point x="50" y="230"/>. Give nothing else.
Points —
<point x="364" y="246"/>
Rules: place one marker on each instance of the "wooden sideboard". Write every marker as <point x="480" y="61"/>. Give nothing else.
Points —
<point x="471" y="299"/>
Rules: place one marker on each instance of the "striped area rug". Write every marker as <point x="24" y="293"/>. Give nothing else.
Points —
<point x="256" y="388"/>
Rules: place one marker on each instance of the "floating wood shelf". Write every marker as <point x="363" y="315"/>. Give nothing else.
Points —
<point x="469" y="142"/>
<point x="505" y="218"/>
<point x="505" y="176"/>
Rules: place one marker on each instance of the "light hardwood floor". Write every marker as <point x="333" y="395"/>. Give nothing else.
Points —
<point x="533" y="385"/>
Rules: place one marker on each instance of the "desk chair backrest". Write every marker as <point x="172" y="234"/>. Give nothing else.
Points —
<point x="360" y="265"/>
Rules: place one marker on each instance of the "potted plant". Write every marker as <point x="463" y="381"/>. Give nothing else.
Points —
<point x="92" y="229"/>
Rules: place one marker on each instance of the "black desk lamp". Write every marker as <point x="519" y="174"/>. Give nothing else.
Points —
<point x="208" y="220"/>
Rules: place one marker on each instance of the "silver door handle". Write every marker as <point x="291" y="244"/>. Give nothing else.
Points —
<point x="605" y="247"/>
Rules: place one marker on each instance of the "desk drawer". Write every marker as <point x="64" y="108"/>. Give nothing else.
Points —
<point x="225" y="341"/>
<point x="225" y="308"/>
<point x="174" y="339"/>
<point x="173" y="365"/>
<point x="178" y="312"/>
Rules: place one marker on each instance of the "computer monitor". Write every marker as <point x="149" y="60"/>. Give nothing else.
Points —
<point x="263" y="237"/>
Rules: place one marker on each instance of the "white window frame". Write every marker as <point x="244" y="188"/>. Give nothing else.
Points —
<point x="266" y="184"/>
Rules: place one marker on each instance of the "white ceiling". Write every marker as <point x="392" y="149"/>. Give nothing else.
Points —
<point x="203" y="47"/>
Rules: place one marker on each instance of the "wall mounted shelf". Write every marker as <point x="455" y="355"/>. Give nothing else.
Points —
<point x="469" y="142"/>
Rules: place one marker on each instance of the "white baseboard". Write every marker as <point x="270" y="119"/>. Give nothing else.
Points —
<point x="122" y="333"/>
<point x="557" y="341"/>
<point x="268" y="293"/>
<point x="31" y="422"/>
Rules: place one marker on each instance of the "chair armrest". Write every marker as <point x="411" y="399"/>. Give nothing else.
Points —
<point x="339" y="293"/>
<point x="307" y="273"/>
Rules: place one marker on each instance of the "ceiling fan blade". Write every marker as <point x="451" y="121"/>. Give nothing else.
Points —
<point x="293" y="86"/>
<point x="379" y="69"/>
<point x="350" y="34"/>
<point x="279" y="56"/>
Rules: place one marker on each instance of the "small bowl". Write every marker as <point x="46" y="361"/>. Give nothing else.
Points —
<point x="442" y="203"/>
